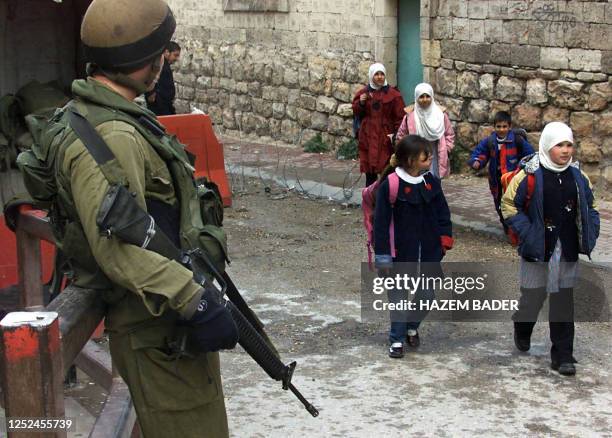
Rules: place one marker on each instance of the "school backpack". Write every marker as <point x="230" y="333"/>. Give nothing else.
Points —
<point x="368" y="206"/>
<point x="357" y="122"/>
<point x="505" y="182"/>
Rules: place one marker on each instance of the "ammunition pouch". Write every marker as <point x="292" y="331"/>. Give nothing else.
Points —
<point x="211" y="204"/>
<point x="121" y="216"/>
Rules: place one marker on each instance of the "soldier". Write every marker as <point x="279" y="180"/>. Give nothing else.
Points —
<point x="152" y="300"/>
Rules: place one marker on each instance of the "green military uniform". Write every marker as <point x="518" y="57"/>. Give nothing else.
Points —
<point x="174" y="395"/>
<point x="171" y="396"/>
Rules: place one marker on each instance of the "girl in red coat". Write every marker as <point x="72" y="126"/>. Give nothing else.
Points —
<point x="380" y="109"/>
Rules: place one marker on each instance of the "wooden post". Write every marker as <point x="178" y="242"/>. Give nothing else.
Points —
<point x="80" y="312"/>
<point x="32" y="374"/>
<point x="95" y="361"/>
<point x="32" y="226"/>
<point x="29" y="269"/>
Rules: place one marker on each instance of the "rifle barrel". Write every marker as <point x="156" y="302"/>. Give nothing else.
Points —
<point x="309" y="407"/>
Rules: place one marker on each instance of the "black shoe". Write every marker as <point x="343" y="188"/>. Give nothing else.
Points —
<point x="565" y="368"/>
<point x="523" y="344"/>
<point x="413" y="340"/>
<point x="396" y="350"/>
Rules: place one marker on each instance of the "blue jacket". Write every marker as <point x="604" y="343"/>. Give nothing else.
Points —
<point x="421" y="220"/>
<point x="529" y="225"/>
<point x="507" y="157"/>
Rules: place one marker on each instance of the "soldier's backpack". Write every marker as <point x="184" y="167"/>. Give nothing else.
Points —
<point x="16" y="133"/>
<point x="368" y="206"/>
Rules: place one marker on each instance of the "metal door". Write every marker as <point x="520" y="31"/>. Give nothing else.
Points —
<point x="409" y="67"/>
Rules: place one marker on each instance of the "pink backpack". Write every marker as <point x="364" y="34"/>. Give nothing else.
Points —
<point x="368" y="201"/>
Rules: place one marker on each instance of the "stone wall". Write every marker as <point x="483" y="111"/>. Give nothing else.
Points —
<point x="285" y="74"/>
<point x="286" y="70"/>
<point x="539" y="60"/>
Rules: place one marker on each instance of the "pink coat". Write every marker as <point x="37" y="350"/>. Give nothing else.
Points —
<point x="445" y="145"/>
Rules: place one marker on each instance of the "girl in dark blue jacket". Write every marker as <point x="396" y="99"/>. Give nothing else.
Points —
<point x="422" y="230"/>
<point x="550" y="206"/>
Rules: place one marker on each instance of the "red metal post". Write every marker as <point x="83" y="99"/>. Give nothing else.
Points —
<point x="32" y="372"/>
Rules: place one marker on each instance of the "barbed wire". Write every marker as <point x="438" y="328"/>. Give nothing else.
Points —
<point x="283" y="174"/>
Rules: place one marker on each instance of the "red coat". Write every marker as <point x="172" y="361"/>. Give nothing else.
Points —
<point x="381" y="114"/>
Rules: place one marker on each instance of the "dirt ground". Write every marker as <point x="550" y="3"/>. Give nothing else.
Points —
<point x="297" y="261"/>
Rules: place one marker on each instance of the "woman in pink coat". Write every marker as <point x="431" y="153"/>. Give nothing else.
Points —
<point x="427" y="119"/>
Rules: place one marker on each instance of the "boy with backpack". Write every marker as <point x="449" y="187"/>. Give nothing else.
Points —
<point x="503" y="150"/>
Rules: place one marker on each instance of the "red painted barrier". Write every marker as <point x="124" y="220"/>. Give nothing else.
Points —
<point x="196" y="132"/>
<point x="8" y="256"/>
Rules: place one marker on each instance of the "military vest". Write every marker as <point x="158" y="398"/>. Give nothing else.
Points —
<point x="201" y="210"/>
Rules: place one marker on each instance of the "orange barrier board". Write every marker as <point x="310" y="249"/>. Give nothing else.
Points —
<point x="195" y="131"/>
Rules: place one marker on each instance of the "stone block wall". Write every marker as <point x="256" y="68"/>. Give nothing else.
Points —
<point x="540" y="60"/>
<point x="282" y="71"/>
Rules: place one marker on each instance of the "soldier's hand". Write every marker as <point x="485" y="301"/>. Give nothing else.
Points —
<point x="212" y="326"/>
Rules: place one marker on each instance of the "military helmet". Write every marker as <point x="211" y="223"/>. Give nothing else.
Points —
<point x="126" y="34"/>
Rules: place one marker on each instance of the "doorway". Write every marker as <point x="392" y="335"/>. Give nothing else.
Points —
<point x="409" y="66"/>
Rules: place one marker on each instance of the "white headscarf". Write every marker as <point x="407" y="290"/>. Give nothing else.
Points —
<point x="429" y="122"/>
<point x="553" y="134"/>
<point x="375" y="68"/>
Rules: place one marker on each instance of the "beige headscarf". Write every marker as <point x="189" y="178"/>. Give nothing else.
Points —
<point x="553" y="134"/>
